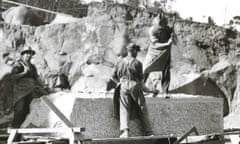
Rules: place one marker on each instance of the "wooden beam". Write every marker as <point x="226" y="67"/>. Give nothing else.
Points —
<point x="232" y="129"/>
<point x="135" y="140"/>
<point x="56" y="111"/>
<point x="132" y="138"/>
<point x="11" y="136"/>
<point x="71" y="132"/>
<point x="186" y="135"/>
<point x="46" y="130"/>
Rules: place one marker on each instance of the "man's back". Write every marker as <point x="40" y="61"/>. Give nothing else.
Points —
<point x="129" y="68"/>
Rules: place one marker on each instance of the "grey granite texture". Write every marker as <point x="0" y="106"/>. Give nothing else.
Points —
<point x="174" y="116"/>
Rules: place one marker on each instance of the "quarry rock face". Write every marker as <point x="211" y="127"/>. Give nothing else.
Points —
<point x="86" y="50"/>
<point x="20" y="15"/>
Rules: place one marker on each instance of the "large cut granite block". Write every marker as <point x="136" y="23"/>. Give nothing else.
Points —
<point x="173" y="116"/>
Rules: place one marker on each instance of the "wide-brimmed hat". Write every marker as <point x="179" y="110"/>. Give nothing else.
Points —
<point x="28" y="49"/>
<point x="133" y="46"/>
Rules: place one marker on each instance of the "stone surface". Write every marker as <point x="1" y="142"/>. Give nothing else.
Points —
<point x="205" y="87"/>
<point x="21" y="15"/>
<point x="97" y="40"/>
<point x="173" y="116"/>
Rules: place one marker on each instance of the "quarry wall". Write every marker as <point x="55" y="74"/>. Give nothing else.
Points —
<point x="85" y="51"/>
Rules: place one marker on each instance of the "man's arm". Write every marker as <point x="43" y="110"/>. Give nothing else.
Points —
<point x="162" y="46"/>
<point x="155" y="41"/>
<point x="113" y="82"/>
<point x="17" y="73"/>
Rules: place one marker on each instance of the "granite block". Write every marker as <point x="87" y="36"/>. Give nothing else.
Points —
<point x="169" y="117"/>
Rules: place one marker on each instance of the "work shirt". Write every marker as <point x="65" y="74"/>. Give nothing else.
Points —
<point x="128" y="71"/>
<point x="127" y="68"/>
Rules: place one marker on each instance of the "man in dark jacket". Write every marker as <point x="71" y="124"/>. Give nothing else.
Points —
<point x="129" y="74"/>
<point x="26" y="81"/>
<point x="159" y="53"/>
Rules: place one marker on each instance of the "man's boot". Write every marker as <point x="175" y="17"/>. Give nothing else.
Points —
<point x="124" y="134"/>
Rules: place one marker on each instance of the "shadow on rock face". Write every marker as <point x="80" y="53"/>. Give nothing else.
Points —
<point x="205" y="87"/>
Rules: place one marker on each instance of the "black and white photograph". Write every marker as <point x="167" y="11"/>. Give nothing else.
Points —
<point x="119" y="72"/>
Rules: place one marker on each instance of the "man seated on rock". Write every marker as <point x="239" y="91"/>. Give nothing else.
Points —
<point x="26" y="86"/>
<point x="129" y="74"/>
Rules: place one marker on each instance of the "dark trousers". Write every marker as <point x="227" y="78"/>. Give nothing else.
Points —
<point x="21" y="110"/>
<point x="166" y="77"/>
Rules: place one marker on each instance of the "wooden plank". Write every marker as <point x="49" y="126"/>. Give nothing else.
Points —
<point x="2" y="136"/>
<point x="46" y="130"/>
<point x="71" y="137"/>
<point x="29" y="142"/>
<point x="150" y="140"/>
<point x="186" y="135"/>
<point x="71" y="132"/>
<point x="56" y="111"/>
<point x="132" y="138"/>
<point x="232" y="129"/>
<point x="11" y="137"/>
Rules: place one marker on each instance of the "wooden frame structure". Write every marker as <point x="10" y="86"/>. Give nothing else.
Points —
<point x="72" y="132"/>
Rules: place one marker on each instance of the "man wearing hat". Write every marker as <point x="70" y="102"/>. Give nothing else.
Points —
<point x="25" y="76"/>
<point x="129" y="74"/>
